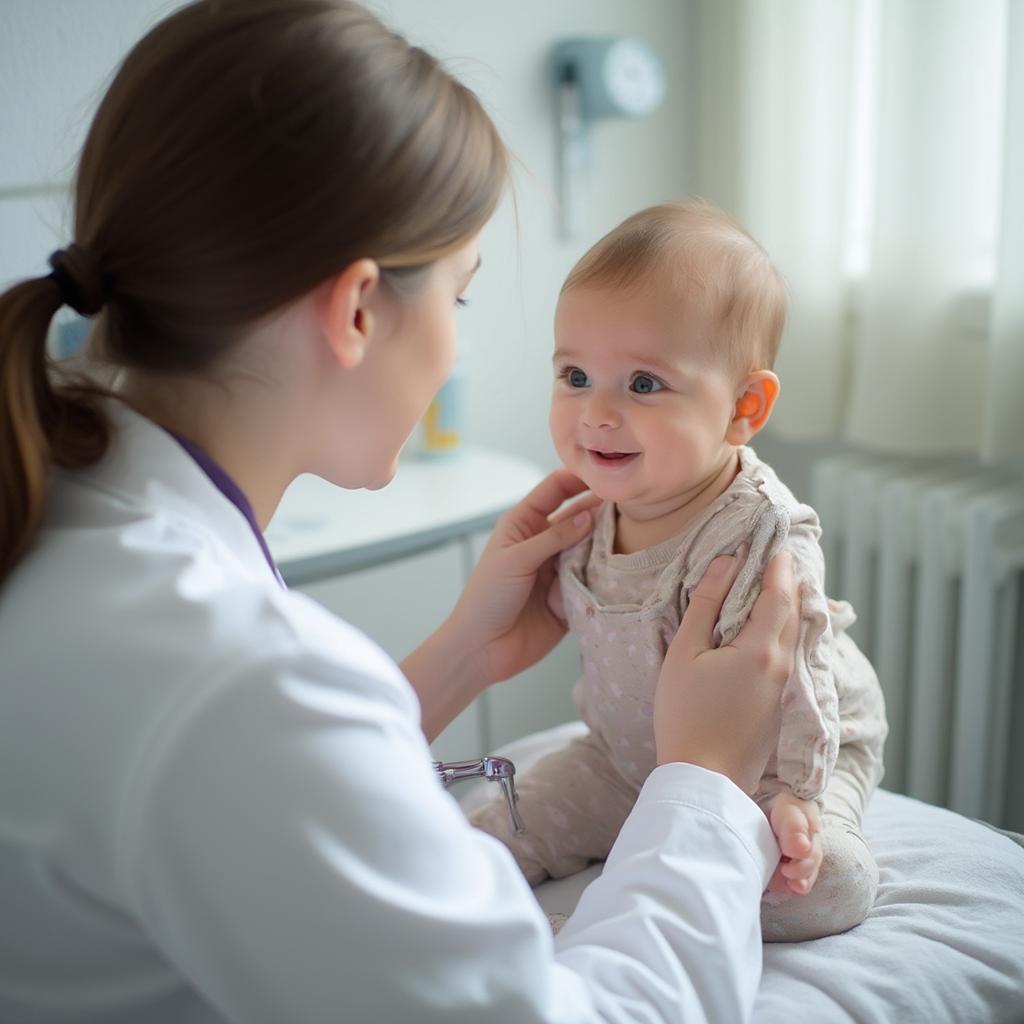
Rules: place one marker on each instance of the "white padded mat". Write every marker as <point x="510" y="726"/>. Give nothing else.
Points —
<point x="944" y="943"/>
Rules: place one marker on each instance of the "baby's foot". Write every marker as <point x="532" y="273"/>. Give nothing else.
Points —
<point x="797" y="826"/>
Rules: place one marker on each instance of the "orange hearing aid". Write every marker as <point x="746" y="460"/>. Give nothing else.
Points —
<point x="748" y="405"/>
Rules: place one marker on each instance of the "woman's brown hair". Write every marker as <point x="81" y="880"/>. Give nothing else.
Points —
<point x="245" y="151"/>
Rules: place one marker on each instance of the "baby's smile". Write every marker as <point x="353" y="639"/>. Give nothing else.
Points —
<point x="611" y="459"/>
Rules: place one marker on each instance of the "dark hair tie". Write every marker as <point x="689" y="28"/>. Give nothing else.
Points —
<point x="78" y="276"/>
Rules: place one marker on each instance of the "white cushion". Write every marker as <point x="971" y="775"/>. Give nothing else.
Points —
<point x="944" y="943"/>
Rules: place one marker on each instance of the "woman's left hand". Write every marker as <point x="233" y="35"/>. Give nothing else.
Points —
<point x="503" y="614"/>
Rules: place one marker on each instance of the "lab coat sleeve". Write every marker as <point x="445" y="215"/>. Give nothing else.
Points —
<point x="286" y="846"/>
<point x="675" y="913"/>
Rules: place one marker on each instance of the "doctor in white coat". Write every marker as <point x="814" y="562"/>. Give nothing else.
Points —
<point x="216" y="800"/>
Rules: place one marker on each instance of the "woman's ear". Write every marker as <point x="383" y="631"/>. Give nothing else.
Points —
<point x="754" y="405"/>
<point x="344" y="312"/>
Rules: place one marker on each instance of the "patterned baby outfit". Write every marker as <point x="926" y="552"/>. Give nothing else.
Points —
<point x="624" y="610"/>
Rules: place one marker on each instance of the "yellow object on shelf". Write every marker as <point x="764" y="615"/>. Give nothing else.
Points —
<point x="442" y="425"/>
<point x="435" y="437"/>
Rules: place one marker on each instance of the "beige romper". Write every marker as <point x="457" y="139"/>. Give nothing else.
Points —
<point x="624" y="611"/>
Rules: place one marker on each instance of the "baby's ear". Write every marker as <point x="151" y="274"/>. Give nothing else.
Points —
<point x="754" y="403"/>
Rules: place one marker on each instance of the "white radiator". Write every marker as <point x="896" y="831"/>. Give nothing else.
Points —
<point x="932" y="558"/>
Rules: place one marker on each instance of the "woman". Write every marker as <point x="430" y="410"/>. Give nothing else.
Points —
<point x="215" y="799"/>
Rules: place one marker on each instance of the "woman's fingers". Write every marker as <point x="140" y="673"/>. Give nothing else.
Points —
<point x="555" y="489"/>
<point x="530" y="534"/>
<point x="773" y="620"/>
<point x="696" y="631"/>
<point x="585" y="502"/>
<point x="720" y="708"/>
<point x="533" y="552"/>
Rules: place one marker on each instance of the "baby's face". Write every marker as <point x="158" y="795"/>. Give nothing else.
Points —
<point x="640" y="407"/>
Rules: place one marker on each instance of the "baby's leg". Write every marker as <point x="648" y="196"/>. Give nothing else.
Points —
<point x="573" y="804"/>
<point x="848" y="879"/>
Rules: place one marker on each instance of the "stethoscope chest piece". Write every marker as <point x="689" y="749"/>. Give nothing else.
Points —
<point x="493" y="769"/>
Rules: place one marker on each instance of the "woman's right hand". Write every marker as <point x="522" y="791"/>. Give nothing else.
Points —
<point x="719" y="708"/>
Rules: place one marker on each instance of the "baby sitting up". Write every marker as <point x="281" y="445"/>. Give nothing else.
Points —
<point x="666" y="332"/>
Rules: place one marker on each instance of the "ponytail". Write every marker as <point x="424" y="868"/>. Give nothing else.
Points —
<point x="41" y="424"/>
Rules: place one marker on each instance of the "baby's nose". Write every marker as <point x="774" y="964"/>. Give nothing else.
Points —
<point x="601" y="411"/>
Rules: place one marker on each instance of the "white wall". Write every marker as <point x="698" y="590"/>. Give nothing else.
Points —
<point x="55" y="58"/>
<point x="56" y="55"/>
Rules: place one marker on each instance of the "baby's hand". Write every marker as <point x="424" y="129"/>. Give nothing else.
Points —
<point x="797" y="826"/>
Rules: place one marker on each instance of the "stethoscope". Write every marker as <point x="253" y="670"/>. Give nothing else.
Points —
<point x="492" y="769"/>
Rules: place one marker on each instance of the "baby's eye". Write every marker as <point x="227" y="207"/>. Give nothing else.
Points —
<point x="576" y="377"/>
<point x="645" y="384"/>
<point x="461" y="302"/>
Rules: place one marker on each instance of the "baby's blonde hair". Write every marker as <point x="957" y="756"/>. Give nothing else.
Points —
<point x="694" y="244"/>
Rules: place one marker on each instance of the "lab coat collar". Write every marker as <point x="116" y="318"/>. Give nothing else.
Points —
<point x="145" y="466"/>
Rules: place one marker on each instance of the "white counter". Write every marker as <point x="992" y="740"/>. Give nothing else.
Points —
<point x="321" y="530"/>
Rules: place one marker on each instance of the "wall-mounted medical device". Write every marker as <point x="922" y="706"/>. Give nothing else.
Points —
<point x="597" y="78"/>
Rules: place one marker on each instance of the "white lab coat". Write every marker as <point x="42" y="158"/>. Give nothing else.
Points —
<point x="216" y="804"/>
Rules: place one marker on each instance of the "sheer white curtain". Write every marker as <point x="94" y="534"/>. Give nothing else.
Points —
<point x="876" y="147"/>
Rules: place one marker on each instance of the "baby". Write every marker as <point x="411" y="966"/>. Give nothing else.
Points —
<point x="666" y="332"/>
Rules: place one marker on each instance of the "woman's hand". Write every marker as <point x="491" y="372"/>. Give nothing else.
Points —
<point x="503" y="614"/>
<point x="720" y="707"/>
